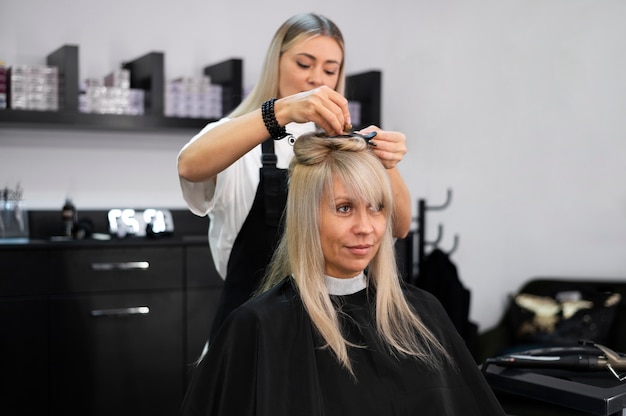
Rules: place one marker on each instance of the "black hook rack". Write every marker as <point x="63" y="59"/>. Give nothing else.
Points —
<point x="422" y="207"/>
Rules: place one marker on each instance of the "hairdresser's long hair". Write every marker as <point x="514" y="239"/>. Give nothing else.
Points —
<point x="295" y="29"/>
<point x="317" y="161"/>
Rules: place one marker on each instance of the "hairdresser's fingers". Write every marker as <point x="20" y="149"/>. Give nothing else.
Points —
<point x="390" y="146"/>
<point x="342" y="103"/>
<point x="330" y="117"/>
<point x="323" y="106"/>
<point x="327" y="108"/>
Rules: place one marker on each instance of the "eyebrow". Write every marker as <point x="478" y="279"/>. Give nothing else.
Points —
<point x="308" y="55"/>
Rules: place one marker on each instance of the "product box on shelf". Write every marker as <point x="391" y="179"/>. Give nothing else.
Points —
<point x="193" y="98"/>
<point x="118" y="79"/>
<point x="3" y="86"/>
<point x="33" y="87"/>
<point x="355" y="112"/>
<point x="111" y="100"/>
<point x="111" y="95"/>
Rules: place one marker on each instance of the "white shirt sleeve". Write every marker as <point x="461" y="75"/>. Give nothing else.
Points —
<point x="199" y="195"/>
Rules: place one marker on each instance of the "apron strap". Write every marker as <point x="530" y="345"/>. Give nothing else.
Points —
<point x="273" y="184"/>
<point x="269" y="158"/>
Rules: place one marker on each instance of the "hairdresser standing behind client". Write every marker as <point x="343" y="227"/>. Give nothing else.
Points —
<point x="229" y="172"/>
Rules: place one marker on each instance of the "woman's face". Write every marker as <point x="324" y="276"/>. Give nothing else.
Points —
<point x="309" y="64"/>
<point x="350" y="231"/>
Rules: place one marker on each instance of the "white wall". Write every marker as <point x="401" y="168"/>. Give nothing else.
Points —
<point x="517" y="106"/>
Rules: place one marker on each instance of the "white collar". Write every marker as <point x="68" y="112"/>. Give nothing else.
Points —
<point x="342" y="287"/>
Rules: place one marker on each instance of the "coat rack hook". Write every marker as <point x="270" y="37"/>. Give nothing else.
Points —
<point x="445" y="204"/>
<point x="436" y="242"/>
<point x="439" y="235"/>
<point x="455" y="244"/>
<point x="422" y="207"/>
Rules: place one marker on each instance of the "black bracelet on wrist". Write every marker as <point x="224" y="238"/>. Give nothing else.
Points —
<point x="269" y="119"/>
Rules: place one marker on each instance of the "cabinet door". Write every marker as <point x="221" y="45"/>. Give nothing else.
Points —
<point x="24" y="280"/>
<point x="24" y="356"/>
<point x="117" y="354"/>
<point x="24" y="272"/>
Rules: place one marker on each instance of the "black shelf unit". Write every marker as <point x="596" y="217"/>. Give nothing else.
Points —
<point x="228" y="74"/>
<point x="366" y="88"/>
<point x="65" y="119"/>
<point x="66" y="60"/>
<point x="147" y="73"/>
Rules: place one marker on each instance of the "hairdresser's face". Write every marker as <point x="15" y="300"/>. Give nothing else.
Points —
<point x="350" y="231"/>
<point x="309" y="64"/>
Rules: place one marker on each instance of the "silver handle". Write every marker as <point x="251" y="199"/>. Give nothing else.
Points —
<point x="128" y="265"/>
<point x="138" y="310"/>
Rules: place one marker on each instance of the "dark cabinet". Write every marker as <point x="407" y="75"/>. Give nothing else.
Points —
<point x="24" y="365"/>
<point x="100" y="329"/>
<point x="24" y="345"/>
<point x="116" y="354"/>
<point x="116" y="332"/>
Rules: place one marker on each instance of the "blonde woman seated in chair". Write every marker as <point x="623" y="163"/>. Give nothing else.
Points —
<point x="334" y="331"/>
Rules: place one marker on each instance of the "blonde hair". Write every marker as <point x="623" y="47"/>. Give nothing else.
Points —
<point x="317" y="161"/>
<point x="295" y="29"/>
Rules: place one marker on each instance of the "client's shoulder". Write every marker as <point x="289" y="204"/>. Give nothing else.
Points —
<point x="280" y="299"/>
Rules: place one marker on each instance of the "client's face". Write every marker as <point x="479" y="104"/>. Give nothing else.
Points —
<point x="350" y="232"/>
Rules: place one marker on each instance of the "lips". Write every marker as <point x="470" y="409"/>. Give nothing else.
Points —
<point x="360" y="249"/>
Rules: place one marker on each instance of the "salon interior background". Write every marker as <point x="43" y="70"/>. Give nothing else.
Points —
<point x="519" y="107"/>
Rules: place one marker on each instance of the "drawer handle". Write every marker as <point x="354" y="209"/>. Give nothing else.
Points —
<point x="128" y="265"/>
<point x="138" y="310"/>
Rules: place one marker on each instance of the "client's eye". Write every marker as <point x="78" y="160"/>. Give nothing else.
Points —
<point x="376" y="208"/>
<point x="345" y="208"/>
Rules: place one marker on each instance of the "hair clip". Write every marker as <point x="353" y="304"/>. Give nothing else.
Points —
<point x="367" y="136"/>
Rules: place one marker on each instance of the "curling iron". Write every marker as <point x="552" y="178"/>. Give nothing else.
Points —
<point x="589" y="357"/>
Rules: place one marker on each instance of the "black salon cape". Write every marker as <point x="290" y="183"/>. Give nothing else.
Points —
<point x="266" y="361"/>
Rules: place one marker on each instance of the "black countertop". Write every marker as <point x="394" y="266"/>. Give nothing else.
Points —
<point x="45" y="229"/>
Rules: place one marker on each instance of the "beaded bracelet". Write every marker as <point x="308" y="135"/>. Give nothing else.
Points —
<point x="269" y="119"/>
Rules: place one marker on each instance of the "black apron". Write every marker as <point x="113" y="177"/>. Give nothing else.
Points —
<point x="257" y="239"/>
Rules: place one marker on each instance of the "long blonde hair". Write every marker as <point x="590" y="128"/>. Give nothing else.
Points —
<point x="317" y="161"/>
<point x="296" y="28"/>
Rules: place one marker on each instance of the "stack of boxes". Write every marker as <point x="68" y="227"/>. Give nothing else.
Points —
<point x="3" y="86"/>
<point x="355" y="112"/>
<point x="193" y="98"/>
<point x="112" y="95"/>
<point x="33" y="87"/>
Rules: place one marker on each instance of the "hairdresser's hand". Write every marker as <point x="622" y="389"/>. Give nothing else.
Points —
<point x="323" y="105"/>
<point x="390" y="145"/>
